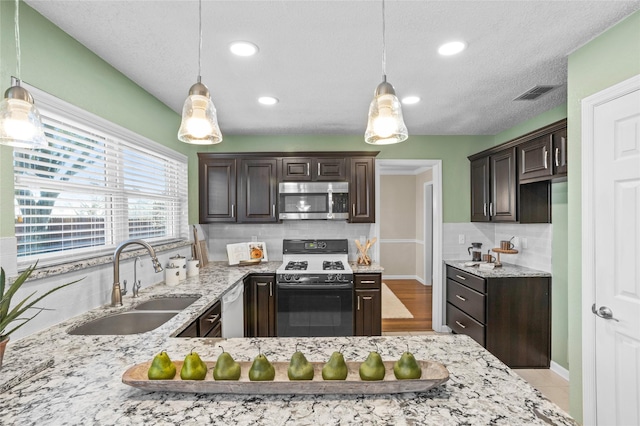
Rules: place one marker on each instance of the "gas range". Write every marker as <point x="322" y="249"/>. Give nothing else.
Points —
<point x="315" y="262"/>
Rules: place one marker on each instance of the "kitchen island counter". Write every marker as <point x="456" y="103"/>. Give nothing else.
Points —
<point x="507" y="270"/>
<point x="83" y="386"/>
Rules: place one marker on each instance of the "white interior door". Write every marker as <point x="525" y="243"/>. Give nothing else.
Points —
<point x="616" y="260"/>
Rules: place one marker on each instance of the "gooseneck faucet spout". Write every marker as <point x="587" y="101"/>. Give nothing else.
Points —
<point x="116" y="293"/>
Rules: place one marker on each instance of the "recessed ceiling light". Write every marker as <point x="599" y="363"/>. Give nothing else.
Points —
<point x="452" y="48"/>
<point x="267" y="100"/>
<point x="410" y="100"/>
<point x="243" y="48"/>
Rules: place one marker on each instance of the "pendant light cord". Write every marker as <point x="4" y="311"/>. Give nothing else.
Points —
<point x="384" y="47"/>
<point x="17" y="35"/>
<point x="200" y="39"/>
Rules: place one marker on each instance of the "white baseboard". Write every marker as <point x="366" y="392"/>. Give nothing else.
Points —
<point x="559" y="370"/>
<point x="402" y="277"/>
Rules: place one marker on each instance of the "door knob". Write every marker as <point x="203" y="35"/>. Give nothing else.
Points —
<point x="603" y="312"/>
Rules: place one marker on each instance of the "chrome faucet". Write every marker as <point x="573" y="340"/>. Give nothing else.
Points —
<point x="116" y="294"/>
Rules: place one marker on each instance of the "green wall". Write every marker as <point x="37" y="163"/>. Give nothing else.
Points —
<point x="610" y="58"/>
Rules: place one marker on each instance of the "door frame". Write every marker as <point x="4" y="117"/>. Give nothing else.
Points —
<point x="402" y="166"/>
<point x="589" y="104"/>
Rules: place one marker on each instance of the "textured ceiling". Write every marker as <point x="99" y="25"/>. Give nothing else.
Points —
<point x="322" y="59"/>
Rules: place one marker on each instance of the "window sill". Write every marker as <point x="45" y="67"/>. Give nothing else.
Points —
<point x="90" y="262"/>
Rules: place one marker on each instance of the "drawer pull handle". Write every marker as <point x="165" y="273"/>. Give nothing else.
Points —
<point x="367" y="282"/>
<point x="358" y="302"/>
<point x="460" y="324"/>
<point x="212" y="318"/>
<point x="461" y="298"/>
<point x="461" y="277"/>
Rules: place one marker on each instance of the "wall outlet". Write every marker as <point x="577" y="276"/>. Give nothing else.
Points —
<point x="524" y="243"/>
<point x="516" y="241"/>
<point x="461" y="239"/>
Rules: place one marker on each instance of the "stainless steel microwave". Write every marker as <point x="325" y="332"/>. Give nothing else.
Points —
<point x="313" y="200"/>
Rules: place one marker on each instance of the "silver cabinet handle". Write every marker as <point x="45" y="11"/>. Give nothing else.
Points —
<point x="556" y="157"/>
<point x="490" y="209"/>
<point x="271" y="289"/>
<point x="603" y="312"/>
<point x="367" y="282"/>
<point x="358" y="302"/>
<point x="460" y="324"/>
<point x="461" y="277"/>
<point x="233" y="210"/>
<point x="461" y="298"/>
<point x="484" y="209"/>
<point x="353" y="209"/>
<point x="545" y="152"/>
<point x="308" y="169"/>
<point x="273" y="210"/>
<point x="212" y="318"/>
<point x="318" y="169"/>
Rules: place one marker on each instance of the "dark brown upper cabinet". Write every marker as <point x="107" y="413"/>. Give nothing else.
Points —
<point x="544" y="157"/>
<point x="494" y="188"/>
<point x="257" y="190"/>
<point x="217" y="189"/>
<point x="306" y="169"/>
<point x="361" y="190"/>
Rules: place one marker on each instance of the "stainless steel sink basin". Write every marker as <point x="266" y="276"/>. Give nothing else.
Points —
<point x="166" y="304"/>
<point x="130" y="322"/>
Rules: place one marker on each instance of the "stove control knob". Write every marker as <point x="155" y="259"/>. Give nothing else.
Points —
<point x="331" y="277"/>
<point x="296" y="277"/>
<point x="339" y="277"/>
<point x="322" y="245"/>
<point x="287" y="277"/>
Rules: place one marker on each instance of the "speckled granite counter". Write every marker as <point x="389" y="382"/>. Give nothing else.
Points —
<point x="505" y="271"/>
<point x="84" y="384"/>
<point x="374" y="268"/>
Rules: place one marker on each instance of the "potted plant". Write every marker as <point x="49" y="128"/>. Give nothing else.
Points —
<point x="8" y="317"/>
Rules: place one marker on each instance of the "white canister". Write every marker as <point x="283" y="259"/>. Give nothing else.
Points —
<point x="193" y="268"/>
<point x="180" y="262"/>
<point x="171" y="275"/>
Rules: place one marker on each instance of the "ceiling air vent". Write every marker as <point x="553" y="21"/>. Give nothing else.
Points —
<point x="534" y="93"/>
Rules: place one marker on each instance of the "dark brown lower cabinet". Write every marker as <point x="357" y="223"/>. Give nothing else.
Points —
<point x="510" y="316"/>
<point x="367" y="302"/>
<point x="260" y="306"/>
<point x="208" y="324"/>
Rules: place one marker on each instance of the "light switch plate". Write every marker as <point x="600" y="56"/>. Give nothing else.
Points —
<point x="461" y="239"/>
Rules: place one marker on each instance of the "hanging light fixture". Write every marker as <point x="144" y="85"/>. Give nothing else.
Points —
<point x="20" y="124"/>
<point x="385" y="125"/>
<point x="199" y="121"/>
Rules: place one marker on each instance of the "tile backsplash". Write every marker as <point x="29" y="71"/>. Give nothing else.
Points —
<point x="533" y="241"/>
<point x="219" y="235"/>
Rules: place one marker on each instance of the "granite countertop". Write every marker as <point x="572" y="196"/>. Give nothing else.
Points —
<point x="83" y="386"/>
<point x="507" y="270"/>
<point x="374" y="268"/>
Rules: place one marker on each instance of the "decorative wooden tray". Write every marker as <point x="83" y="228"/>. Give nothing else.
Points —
<point x="433" y="374"/>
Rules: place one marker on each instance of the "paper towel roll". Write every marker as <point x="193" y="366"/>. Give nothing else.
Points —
<point x="172" y="276"/>
<point x="193" y="268"/>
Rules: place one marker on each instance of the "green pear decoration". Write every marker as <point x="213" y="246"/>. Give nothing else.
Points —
<point x="162" y="368"/>
<point x="261" y="370"/>
<point x="372" y="368"/>
<point x="335" y="368"/>
<point x="193" y="368"/>
<point x="407" y="367"/>
<point x="299" y="367"/>
<point x="226" y="368"/>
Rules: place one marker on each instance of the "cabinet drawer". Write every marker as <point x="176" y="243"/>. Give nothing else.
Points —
<point x="210" y="319"/>
<point x="469" y="301"/>
<point x="216" y="331"/>
<point x="191" y="331"/>
<point x="368" y="280"/>
<point x="470" y="280"/>
<point x="462" y="323"/>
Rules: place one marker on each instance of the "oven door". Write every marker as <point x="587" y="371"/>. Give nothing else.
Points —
<point x="315" y="310"/>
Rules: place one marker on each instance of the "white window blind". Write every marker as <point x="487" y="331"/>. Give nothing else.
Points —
<point x="94" y="186"/>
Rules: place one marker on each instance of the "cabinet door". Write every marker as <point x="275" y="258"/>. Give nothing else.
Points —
<point x="480" y="190"/>
<point x="361" y="190"/>
<point x="329" y="169"/>
<point x="367" y="313"/>
<point x="560" y="153"/>
<point x="264" y="305"/>
<point x="249" y="315"/>
<point x="502" y="207"/>
<point x="535" y="161"/>
<point x="297" y="169"/>
<point x="257" y="192"/>
<point x="217" y="184"/>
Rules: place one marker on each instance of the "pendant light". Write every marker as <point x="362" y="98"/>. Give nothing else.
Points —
<point x="20" y="124"/>
<point x="199" y="121"/>
<point x="385" y="125"/>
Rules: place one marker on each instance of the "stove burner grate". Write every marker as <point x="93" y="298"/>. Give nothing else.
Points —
<point x="332" y="265"/>
<point x="300" y="265"/>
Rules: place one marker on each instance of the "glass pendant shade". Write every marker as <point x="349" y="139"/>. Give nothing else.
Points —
<point x="385" y="125"/>
<point x="20" y="124"/>
<point x="199" y="120"/>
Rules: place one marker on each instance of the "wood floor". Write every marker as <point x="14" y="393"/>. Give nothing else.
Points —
<point x="417" y="298"/>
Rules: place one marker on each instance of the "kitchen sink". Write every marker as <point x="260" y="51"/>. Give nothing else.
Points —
<point x="130" y="322"/>
<point x="166" y="304"/>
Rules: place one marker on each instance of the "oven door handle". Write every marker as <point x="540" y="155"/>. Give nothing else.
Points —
<point x="314" y="286"/>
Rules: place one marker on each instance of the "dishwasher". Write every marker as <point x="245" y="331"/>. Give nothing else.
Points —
<point x="233" y="312"/>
